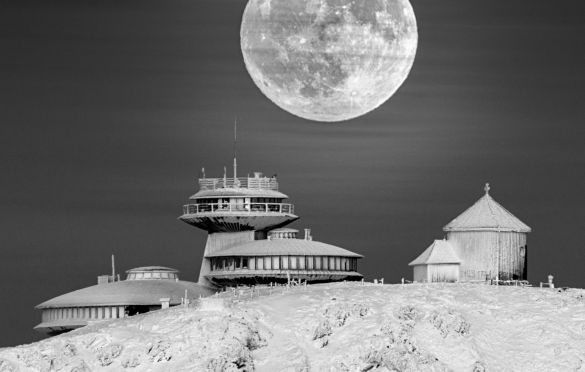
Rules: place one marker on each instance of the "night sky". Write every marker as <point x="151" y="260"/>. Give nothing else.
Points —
<point x="110" y="108"/>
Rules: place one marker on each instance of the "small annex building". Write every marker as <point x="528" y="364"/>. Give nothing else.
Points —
<point x="438" y="263"/>
<point x="485" y="242"/>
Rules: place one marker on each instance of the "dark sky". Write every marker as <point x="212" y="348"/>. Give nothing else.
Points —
<point x="110" y="108"/>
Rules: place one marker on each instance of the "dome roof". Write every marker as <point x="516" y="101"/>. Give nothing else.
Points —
<point x="131" y="292"/>
<point x="487" y="214"/>
<point x="284" y="230"/>
<point x="238" y="192"/>
<point x="152" y="268"/>
<point x="440" y="252"/>
<point x="285" y="247"/>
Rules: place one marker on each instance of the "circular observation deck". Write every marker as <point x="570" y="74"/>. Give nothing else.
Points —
<point x="241" y="204"/>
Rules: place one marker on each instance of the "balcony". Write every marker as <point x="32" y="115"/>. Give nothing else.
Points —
<point x="238" y="208"/>
<point x="254" y="183"/>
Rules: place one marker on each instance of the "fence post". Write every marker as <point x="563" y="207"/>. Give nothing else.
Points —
<point x="550" y="281"/>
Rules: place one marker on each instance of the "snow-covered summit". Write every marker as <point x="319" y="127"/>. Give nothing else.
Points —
<point x="333" y="327"/>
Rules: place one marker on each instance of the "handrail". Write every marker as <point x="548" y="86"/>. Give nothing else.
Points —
<point x="238" y="207"/>
<point x="256" y="183"/>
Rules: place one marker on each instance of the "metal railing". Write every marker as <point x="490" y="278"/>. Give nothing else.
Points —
<point x="257" y="183"/>
<point x="242" y="208"/>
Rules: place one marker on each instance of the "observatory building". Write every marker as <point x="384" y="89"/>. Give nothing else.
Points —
<point x="246" y="242"/>
<point x="486" y="242"/>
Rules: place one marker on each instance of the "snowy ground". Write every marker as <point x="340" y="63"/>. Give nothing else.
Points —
<point x="333" y="327"/>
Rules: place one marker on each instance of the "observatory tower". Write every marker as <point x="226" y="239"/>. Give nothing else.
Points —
<point x="246" y="243"/>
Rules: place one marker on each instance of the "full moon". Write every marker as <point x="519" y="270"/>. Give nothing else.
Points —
<point x="328" y="60"/>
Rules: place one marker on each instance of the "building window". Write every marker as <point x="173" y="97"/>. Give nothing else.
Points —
<point x="259" y="263"/>
<point x="267" y="263"/>
<point x="245" y="262"/>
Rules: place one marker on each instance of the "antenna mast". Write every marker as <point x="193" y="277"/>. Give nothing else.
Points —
<point x="113" y="268"/>
<point x="236" y="181"/>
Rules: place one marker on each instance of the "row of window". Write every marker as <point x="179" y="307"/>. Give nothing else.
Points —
<point x="238" y="200"/>
<point x="152" y="275"/>
<point x="284" y="263"/>
<point x="98" y="312"/>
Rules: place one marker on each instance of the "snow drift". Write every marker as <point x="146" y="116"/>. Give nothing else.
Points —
<point x="333" y="327"/>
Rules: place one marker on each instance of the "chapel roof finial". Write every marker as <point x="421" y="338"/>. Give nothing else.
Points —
<point x="487" y="188"/>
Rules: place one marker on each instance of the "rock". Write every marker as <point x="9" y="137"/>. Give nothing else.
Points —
<point x="450" y="321"/>
<point x="159" y="351"/>
<point x="131" y="360"/>
<point x="80" y="366"/>
<point x="408" y="313"/>
<point x="69" y="350"/>
<point x="6" y="366"/>
<point x="107" y="354"/>
<point x="478" y="367"/>
<point x="323" y="329"/>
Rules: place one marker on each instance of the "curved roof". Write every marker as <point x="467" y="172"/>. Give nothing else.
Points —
<point x="285" y="247"/>
<point x="284" y="230"/>
<point x="130" y="292"/>
<point x="240" y="192"/>
<point x="440" y="252"/>
<point x="487" y="214"/>
<point x="152" y="268"/>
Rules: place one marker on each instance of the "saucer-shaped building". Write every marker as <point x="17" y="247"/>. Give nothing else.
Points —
<point x="246" y="242"/>
<point x="280" y="257"/>
<point x="145" y="289"/>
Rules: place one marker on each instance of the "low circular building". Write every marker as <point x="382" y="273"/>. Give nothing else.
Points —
<point x="145" y="289"/>
<point x="281" y="257"/>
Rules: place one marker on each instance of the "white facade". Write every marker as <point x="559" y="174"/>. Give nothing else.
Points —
<point x="485" y="242"/>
